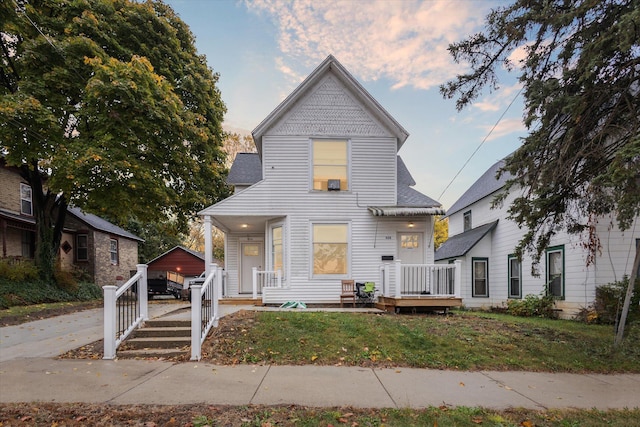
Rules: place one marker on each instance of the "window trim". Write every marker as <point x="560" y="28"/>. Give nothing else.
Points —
<point x="117" y="252"/>
<point x="466" y="215"/>
<point x="473" y="278"/>
<point x="548" y="251"/>
<point x="312" y="165"/>
<point x="279" y="224"/>
<point x="78" y="247"/>
<point x="511" y="257"/>
<point x="22" y="199"/>
<point x="312" y="273"/>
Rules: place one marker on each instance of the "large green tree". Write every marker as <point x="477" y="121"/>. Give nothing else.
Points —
<point x="580" y="70"/>
<point x="106" y="105"/>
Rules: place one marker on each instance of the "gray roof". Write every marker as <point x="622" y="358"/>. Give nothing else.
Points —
<point x="102" y="224"/>
<point x="460" y="244"/>
<point x="484" y="186"/>
<point x="407" y="196"/>
<point x="245" y="170"/>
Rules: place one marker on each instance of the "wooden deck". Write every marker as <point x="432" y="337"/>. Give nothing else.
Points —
<point x="240" y="301"/>
<point x="418" y="302"/>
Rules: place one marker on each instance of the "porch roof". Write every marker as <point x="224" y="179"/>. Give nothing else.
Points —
<point x="405" y="211"/>
<point x="460" y="244"/>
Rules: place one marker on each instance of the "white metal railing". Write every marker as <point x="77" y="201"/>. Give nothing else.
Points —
<point x="425" y="280"/>
<point x="125" y="308"/>
<point x="265" y="279"/>
<point x="204" y="308"/>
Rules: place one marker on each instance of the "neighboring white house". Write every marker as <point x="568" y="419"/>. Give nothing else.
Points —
<point x="484" y="240"/>
<point x="325" y="198"/>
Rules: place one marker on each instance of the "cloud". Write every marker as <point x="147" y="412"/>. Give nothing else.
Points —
<point x="402" y="41"/>
<point x="505" y="127"/>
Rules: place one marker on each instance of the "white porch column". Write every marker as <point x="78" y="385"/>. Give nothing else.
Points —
<point x="208" y="245"/>
<point x="398" y="279"/>
<point x="109" y="322"/>
<point x="254" y="274"/>
<point x="458" y="279"/>
<point x="143" y="296"/>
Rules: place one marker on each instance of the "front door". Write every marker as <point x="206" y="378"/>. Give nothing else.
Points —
<point x="251" y="255"/>
<point x="410" y="250"/>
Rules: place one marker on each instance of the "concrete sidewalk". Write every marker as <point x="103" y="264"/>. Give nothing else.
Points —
<point x="157" y="382"/>
<point x="28" y="372"/>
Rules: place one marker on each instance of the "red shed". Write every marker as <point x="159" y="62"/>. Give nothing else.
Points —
<point x="181" y="260"/>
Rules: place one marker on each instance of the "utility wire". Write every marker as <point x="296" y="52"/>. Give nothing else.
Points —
<point x="481" y="143"/>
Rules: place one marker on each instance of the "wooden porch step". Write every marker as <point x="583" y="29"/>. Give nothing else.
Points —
<point x="434" y="303"/>
<point x="241" y="301"/>
<point x="167" y="331"/>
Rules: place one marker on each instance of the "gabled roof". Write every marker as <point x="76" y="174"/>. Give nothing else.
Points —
<point x="460" y="244"/>
<point x="100" y="224"/>
<point x="196" y="254"/>
<point x="330" y="65"/>
<point x="484" y="186"/>
<point x="245" y="170"/>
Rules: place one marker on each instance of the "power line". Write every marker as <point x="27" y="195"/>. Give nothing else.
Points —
<point x="481" y="143"/>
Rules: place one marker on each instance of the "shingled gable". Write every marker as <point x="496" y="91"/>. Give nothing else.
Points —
<point x="100" y="224"/>
<point x="331" y="65"/>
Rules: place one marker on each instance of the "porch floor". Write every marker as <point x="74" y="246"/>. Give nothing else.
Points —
<point x="414" y="302"/>
<point x="240" y="301"/>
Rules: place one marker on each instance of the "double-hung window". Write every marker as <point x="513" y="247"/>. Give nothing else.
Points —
<point x="555" y="271"/>
<point x="277" y="249"/>
<point x="330" y="249"/>
<point x="466" y="219"/>
<point x="515" y="276"/>
<point x="330" y="165"/>
<point x="480" y="273"/>
<point x="26" y="203"/>
<point x="82" y="247"/>
<point x="113" y="251"/>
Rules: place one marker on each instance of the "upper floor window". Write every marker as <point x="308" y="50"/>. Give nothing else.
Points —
<point x="82" y="247"/>
<point x="467" y="220"/>
<point x="330" y="165"/>
<point x="515" y="277"/>
<point x="26" y="204"/>
<point x="330" y="249"/>
<point x="113" y="251"/>
<point x="555" y="271"/>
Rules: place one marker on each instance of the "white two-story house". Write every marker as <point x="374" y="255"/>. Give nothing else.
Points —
<point x="325" y="198"/>
<point x="484" y="239"/>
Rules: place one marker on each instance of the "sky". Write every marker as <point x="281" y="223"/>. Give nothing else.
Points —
<point x="396" y="49"/>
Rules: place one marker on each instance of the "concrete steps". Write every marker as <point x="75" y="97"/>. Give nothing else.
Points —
<point x="158" y="339"/>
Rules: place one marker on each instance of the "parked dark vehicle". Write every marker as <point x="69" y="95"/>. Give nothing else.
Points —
<point x="165" y="283"/>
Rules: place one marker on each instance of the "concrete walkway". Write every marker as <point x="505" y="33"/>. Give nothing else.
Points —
<point x="28" y="372"/>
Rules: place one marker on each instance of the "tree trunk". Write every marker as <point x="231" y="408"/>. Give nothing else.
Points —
<point x="49" y="212"/>
<point x="627" y="299"/>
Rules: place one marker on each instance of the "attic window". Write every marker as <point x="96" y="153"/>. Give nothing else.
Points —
<point x="330" y="164"/>
<point x="467" y="220"/>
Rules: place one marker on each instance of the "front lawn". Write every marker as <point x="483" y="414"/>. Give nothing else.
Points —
<point x="461" y="340"/>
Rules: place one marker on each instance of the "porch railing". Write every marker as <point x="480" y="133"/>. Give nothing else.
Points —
<point x="204" y="308"/>
<point x="426" y="280"/>
<point x="125" y="308"/>
<point x="265" y="279"/>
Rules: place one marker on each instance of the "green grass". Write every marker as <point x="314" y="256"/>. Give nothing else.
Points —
<point x="463" y="340"/>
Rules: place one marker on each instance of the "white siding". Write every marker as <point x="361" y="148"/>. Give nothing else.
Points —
<point x="614" y="261"/>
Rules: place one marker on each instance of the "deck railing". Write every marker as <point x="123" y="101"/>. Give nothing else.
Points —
<point x="424" y="280"/>
<point x="265" y="279"/>
<point x="204" y="308"/>
<point x="125" y="308"/>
